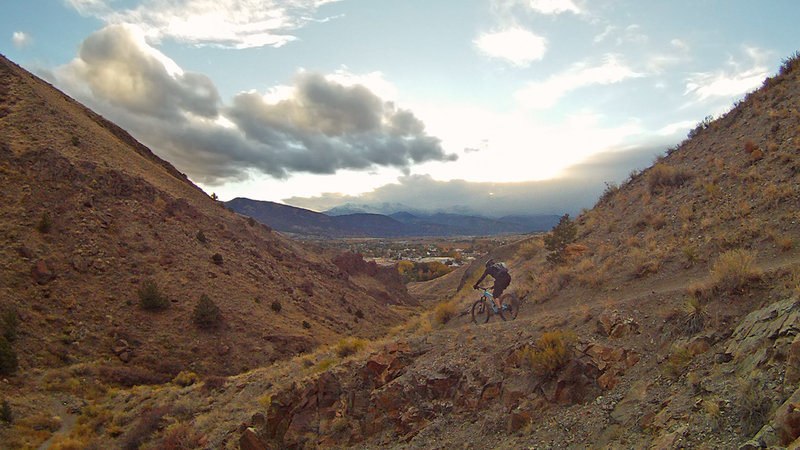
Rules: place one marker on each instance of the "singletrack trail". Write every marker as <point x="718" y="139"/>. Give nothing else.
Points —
<point x="633" y="294"/>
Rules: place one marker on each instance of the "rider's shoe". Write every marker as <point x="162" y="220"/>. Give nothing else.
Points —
<point x="504" y="308"/>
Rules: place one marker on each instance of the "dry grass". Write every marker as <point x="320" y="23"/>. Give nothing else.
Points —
<point x="548" y="354"/>
<point x="734" y="270"/>
<point x="662" y="176"/>
<point x="349" y="346"/>
<point x="694" y="315"/>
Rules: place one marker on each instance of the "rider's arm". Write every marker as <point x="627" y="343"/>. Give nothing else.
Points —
<point x="475" y="286"/>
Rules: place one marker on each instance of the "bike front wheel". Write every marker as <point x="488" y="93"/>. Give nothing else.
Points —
<point x="480" y="311"/>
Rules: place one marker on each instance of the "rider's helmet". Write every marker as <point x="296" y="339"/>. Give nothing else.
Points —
<point x="490" y="262"/>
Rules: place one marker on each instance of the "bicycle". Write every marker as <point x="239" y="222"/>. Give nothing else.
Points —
<point x="485" y="306"/>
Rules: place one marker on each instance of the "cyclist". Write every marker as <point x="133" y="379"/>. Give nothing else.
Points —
<point x="501" y="277"/>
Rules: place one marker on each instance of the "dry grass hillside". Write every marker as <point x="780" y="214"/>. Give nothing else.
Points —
<point x="107" y="252"/>
<point x="670" y="322"/>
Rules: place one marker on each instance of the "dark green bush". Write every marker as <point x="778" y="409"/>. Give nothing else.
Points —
<point x="206" y="314"/>
<point x="276" y="306"/>
<point x="150" y="298"/>
<point x="217" y="259"/>
<point x="6" y="415"/>
<point x="8" y="357"/>
<point x="306" y="325"/>
<point x="202" y="237"/>
<point x="45" y="224"/>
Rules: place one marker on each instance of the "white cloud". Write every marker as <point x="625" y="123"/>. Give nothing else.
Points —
<point x="544" y="94"/>
<point x="517" y="45"/>
<point x="731" y="81"/>
<point x="21" y="39"/>
<point x="225" y="23"/>
<point x="554" y="6"/>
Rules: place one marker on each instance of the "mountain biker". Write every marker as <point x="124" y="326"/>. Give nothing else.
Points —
<point x="501" y="277"/>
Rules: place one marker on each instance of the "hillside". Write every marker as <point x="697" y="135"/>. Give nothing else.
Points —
<point x="90" y="217"/>
<point x="671" y="323"/>
<point x="305" y="223"/>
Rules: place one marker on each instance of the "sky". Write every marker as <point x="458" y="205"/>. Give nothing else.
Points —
<point x="492" y="107"/>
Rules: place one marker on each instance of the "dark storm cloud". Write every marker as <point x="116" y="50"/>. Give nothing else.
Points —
<point x="321" y="127"/>
<point x="578" y="187"/>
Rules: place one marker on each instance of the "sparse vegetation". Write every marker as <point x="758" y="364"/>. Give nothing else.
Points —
<point x="734" y="270"/>
<point x="185" y="378"/>
<point x="150" y="297"/>
<point x="662" y="176"/>
<point x="216" y="258"/>
<point x="349" y="346"/>
<point x="206" y="313"/>
<point x="444" y="312"/>
<point x="694" y="315"/>
<point x="755" y="405"/>
<point x="202" y="237"/>
<point x="678" y="359"/>
<point x="45" y="223"/>
<point x="6" y="414"/>
<point x="275" y="306"/>
<point x="563" y="234"/>
<point x="8" y="357"/>
<point x="306" y="325"/>
<point x="548" y="354"/>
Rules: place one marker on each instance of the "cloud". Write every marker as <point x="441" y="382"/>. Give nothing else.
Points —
<point x="316" y="125"/>
<point x="544" y="94"/>
<point x="225" y="23"/>
<point x="554" y="6"/>
<point x="733" y="80"/>
<point x="118" y="67"/>
<point x="21" y="39"/>
<point x="517" y="45"/>
<point x="577" y="187"/>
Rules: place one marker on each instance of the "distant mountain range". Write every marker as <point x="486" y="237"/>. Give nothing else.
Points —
<point x="290" y="219"/>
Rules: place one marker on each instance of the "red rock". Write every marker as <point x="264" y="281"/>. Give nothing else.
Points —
<point x="518" y="420"/>
<point x="41" y="273"/>
<point x="250" y="441"/>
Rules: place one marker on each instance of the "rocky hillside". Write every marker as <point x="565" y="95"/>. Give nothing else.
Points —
<point x="91" y="220"/>
<point x="670" y="322"/>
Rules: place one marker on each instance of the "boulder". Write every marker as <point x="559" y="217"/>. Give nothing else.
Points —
<point x="250" y="441"/>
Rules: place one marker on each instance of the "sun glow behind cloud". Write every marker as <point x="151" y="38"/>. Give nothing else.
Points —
<point x="516" y="45"/>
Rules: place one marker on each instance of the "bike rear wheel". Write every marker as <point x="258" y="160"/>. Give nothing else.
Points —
<point x="480" y="311"/>
<point x="512" y="302"/>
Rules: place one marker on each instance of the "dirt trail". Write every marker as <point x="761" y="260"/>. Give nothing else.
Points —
<point x="631" y="294"/>
<point x="67" y="422"/>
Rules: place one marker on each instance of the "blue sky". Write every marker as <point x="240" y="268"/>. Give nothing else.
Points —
<point x="494" y="106"/>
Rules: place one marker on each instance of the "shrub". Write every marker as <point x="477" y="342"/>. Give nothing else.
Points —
<point x="206" y="314"/>
<point x="680" y="357"/>
<point x="695" y="315"/>
<point x="735" y="269"/>
<point x="6" y="415"/>
<point x="202" y="237"/>
<point x="148" y="424"/>
<point x="8" y="357"/>
<point x="306" y="325"/>
<point x="754" y="404"/>
<point x="444" y="312"/>
<point x="185" y="378"/>
<point x="662" y="176"/>
<point x="75" y="141"/>
<point x="150" y="298"/>
<point x="45" y="223"/>
<point x="8" y="324"/>
<point x="276" y="306"/>
<point x="129" y="376"/>
<point x="349" y="346"/>
<point x="359" y="313"/>
<point x="548" y="354"/>
<point x="181" y="436"/>
<point x="216" y="258"/>
<point x="214" y="383"/>
<point x="563" y="234"/>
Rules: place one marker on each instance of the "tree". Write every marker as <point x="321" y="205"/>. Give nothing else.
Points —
<point x="206" y="314"/>
<point x="563" y="234"/>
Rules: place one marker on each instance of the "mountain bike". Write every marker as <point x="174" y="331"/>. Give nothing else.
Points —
<point x="485" y="306"/>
